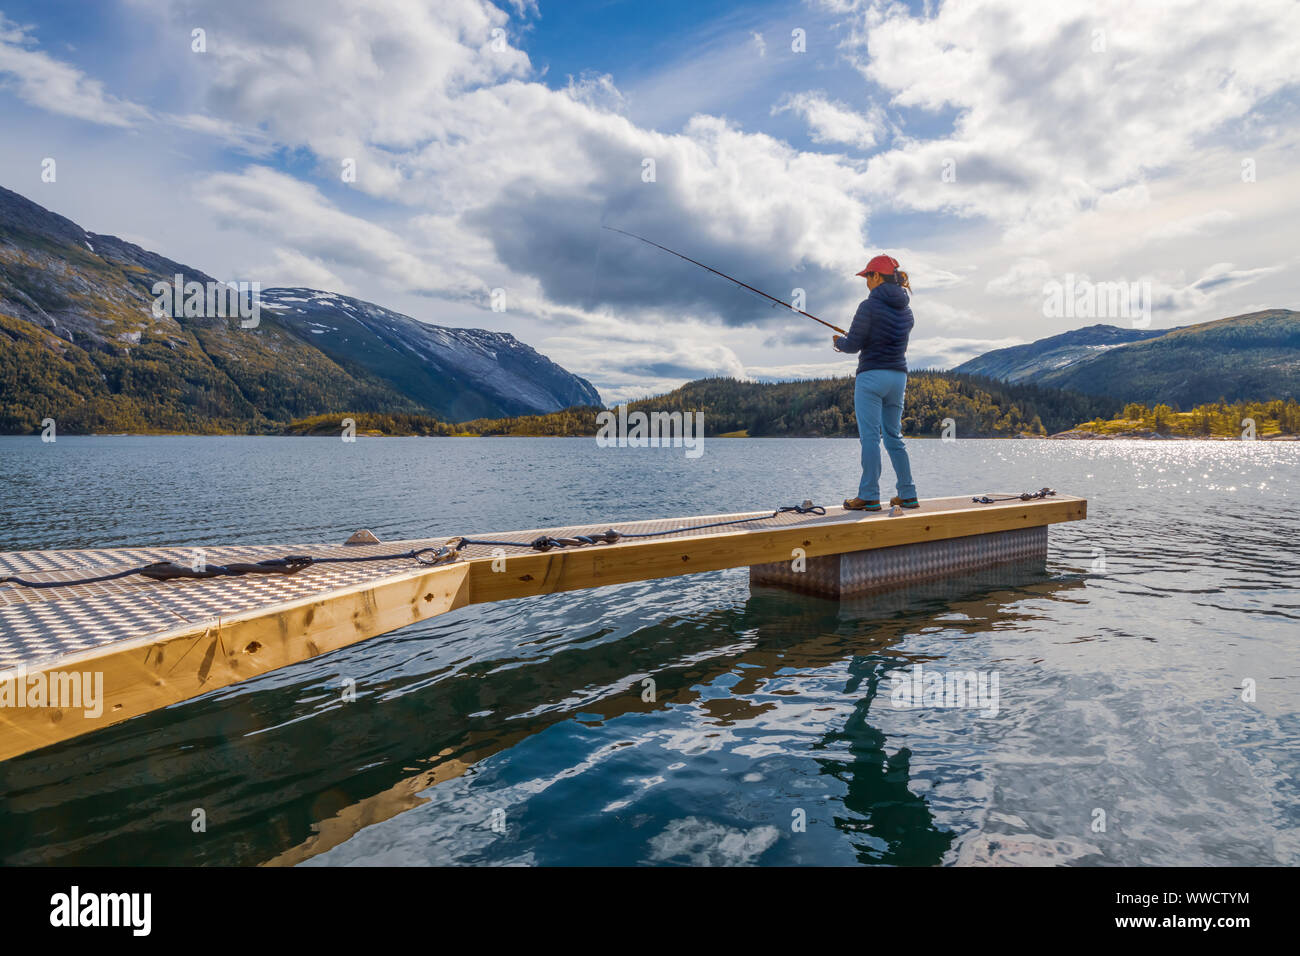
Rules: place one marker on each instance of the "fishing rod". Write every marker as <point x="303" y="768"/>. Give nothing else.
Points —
<point x="743" y="285"/>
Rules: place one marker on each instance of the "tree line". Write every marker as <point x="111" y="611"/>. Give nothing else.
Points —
<point x="1215" y="419"/>
<point x="976" y="407"/>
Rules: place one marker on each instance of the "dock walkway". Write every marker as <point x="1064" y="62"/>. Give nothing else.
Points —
<point x="151" y="643"/>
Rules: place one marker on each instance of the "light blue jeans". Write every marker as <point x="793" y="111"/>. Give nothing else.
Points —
<point x="878" y="404"/>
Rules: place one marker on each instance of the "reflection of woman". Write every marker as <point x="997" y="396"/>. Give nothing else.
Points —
<point x="879" y="335"/>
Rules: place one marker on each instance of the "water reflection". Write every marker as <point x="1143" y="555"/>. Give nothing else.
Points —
<point x="282" y="778"/>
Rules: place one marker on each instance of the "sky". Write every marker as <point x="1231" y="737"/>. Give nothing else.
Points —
<point x="991" y="147"/>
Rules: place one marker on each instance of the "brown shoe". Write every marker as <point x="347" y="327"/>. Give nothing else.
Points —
<point x="904" y="502"/>
<point x="860" y="504"/>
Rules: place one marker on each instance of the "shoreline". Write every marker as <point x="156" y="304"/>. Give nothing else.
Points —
<point x="1156" y="436"/>
<point x="1059" y="436"/>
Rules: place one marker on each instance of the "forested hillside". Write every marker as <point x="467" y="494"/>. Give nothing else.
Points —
<point x="979" y="407"/>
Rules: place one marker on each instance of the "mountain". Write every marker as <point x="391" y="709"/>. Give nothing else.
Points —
<point x="463" y="373"/>
<point x="1026" y="362"/>
<point x="79" y="343"/>
<point x="1252" y="357"/>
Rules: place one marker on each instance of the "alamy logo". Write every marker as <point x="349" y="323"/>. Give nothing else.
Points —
<point x="935" y="688"/>
<point x="209" y="300"/>
<point x="654" y="430"/>
<point x="75" y="908"/>
<point x="1083" y="299"/>
<point x="83" y="690"/>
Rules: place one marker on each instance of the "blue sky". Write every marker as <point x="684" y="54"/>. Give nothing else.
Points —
<point x="1100" y="140"/>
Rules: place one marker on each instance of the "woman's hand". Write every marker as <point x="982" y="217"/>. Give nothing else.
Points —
<point x="835" y="342"/>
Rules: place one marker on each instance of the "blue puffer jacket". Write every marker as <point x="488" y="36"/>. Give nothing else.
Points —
<point x="880" y="329"/>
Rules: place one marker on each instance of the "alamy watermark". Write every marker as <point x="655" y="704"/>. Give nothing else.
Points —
<point x="624" y="429"/>
<point x="919" y="687"/>
<point x="1077" y="298"/>
<point x="77" y="908"/>
<point x="83" y="690"/>
<point x="209" y="300"/>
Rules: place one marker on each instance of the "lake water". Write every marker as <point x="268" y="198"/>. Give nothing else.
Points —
<point x="517" y="732"/>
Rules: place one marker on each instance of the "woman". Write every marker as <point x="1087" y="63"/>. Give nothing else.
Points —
<point x="879" y="335"/>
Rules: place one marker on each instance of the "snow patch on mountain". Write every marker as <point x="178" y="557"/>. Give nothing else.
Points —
<point x="509" y="374"/>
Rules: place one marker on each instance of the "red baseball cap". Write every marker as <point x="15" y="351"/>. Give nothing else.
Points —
<point x="884" y="265"/>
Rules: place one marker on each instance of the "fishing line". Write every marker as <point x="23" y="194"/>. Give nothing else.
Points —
<point x="743" y="285"/>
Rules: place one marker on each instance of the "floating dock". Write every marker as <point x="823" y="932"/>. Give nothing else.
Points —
<point x="136" y="645"/>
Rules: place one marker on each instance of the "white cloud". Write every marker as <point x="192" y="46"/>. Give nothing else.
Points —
<point x="800" y="371"/>
<point x="349" y="80"/>
<point x="1197" y="225"/>
<point x="1026" y="277"/>
<point x="254" y="142"/>
<point x="948" y="352"/>
<point x="834" y="122"/>
<point x="1187" y="298"/>
<point x="49" y="84"/>
<point x="626" y="363"/>
<point x="598" y="91"/>
<point x="300" y="218"/>
<point x="292" y="268"/>
<point x="1045" y="127"/>
<point x="945" y="315"/>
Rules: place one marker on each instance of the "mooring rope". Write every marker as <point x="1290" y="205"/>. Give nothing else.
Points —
<point x="170" y="570"/>
<point x="1024" y="496"/>
<point x="609" y="536"/>
<point x="292" y="564"/>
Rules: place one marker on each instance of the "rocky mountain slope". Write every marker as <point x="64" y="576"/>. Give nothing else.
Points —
<point x="1252" y="357"/>
<point x="80" y="343"/>
<point x="465" y="372"/>
<point x="1026" y="362"/>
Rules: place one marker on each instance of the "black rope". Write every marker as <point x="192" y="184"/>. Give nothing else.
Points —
<point x="9" y="579"/>
<point x="1023" y="496"/>
<point x="804" y="509"/>
<point x="292" y="564"/>
<point x="611" y="535"/>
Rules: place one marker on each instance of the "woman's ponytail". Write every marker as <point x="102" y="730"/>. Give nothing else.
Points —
<point x="897" y="277"/>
